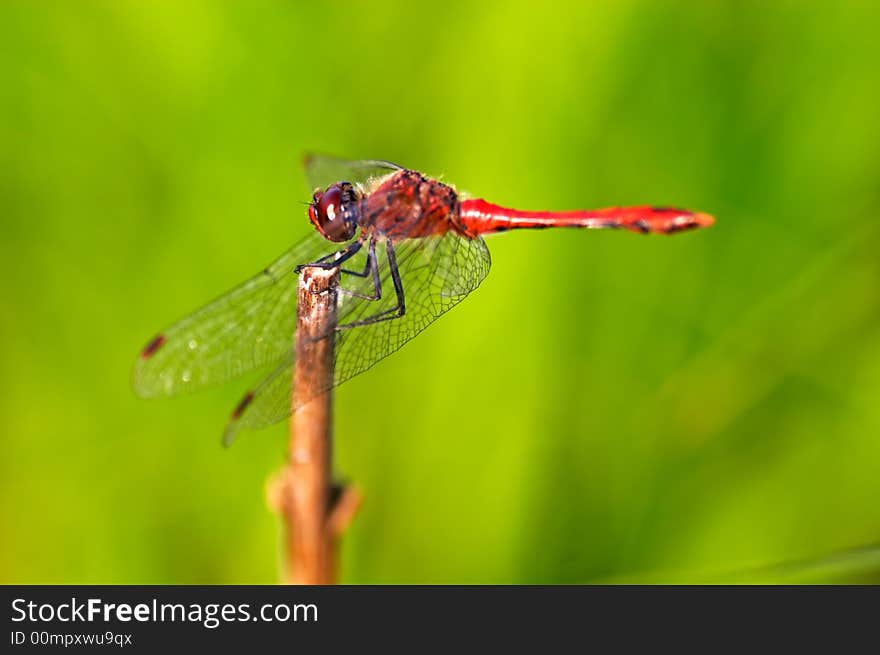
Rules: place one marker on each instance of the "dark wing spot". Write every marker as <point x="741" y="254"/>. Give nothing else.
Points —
<point x="242" y="405"/>
<point x="154" y="345"/>
<point x="642" y="226"/>
<point x="664" y="210"/>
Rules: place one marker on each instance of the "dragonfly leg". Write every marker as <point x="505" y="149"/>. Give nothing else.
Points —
<point x="371" y="256"/>
<point x="394" y="312"/>
<point x="334" y="259"/>
<point x="371" y="267"/>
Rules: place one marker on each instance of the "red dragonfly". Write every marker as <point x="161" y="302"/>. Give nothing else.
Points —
<point x="421" y="252"/>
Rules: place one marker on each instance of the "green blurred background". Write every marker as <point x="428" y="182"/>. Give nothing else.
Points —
<point x="672" y="409"/>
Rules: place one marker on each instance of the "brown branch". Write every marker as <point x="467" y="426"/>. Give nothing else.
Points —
<point x="314" y="511"/>
<point x="347" y="503"/>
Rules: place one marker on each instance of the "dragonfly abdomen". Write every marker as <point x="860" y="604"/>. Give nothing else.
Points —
<point x="480" y="217"/>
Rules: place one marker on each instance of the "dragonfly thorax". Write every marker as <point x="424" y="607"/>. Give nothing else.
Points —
<point x="333" y="212"/>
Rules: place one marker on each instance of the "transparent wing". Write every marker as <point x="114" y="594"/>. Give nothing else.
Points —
<point x="248" y="327"/>
<point x="267" y="404"/>
<point x="323" y="170"/>
<point x="251" y="325"/>
<point x="436" y="272"/>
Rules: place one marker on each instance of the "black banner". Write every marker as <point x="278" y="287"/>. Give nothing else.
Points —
<point x="146" y="619"/>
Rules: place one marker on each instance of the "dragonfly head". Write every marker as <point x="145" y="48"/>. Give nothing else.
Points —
<point x="333" y="212"/>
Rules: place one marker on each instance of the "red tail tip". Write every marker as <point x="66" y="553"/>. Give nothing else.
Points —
<point x="685" y="220"/>
<point x="703" y="220"/>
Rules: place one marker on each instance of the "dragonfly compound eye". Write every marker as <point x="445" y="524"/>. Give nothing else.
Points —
<point x="332" y="212"/>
